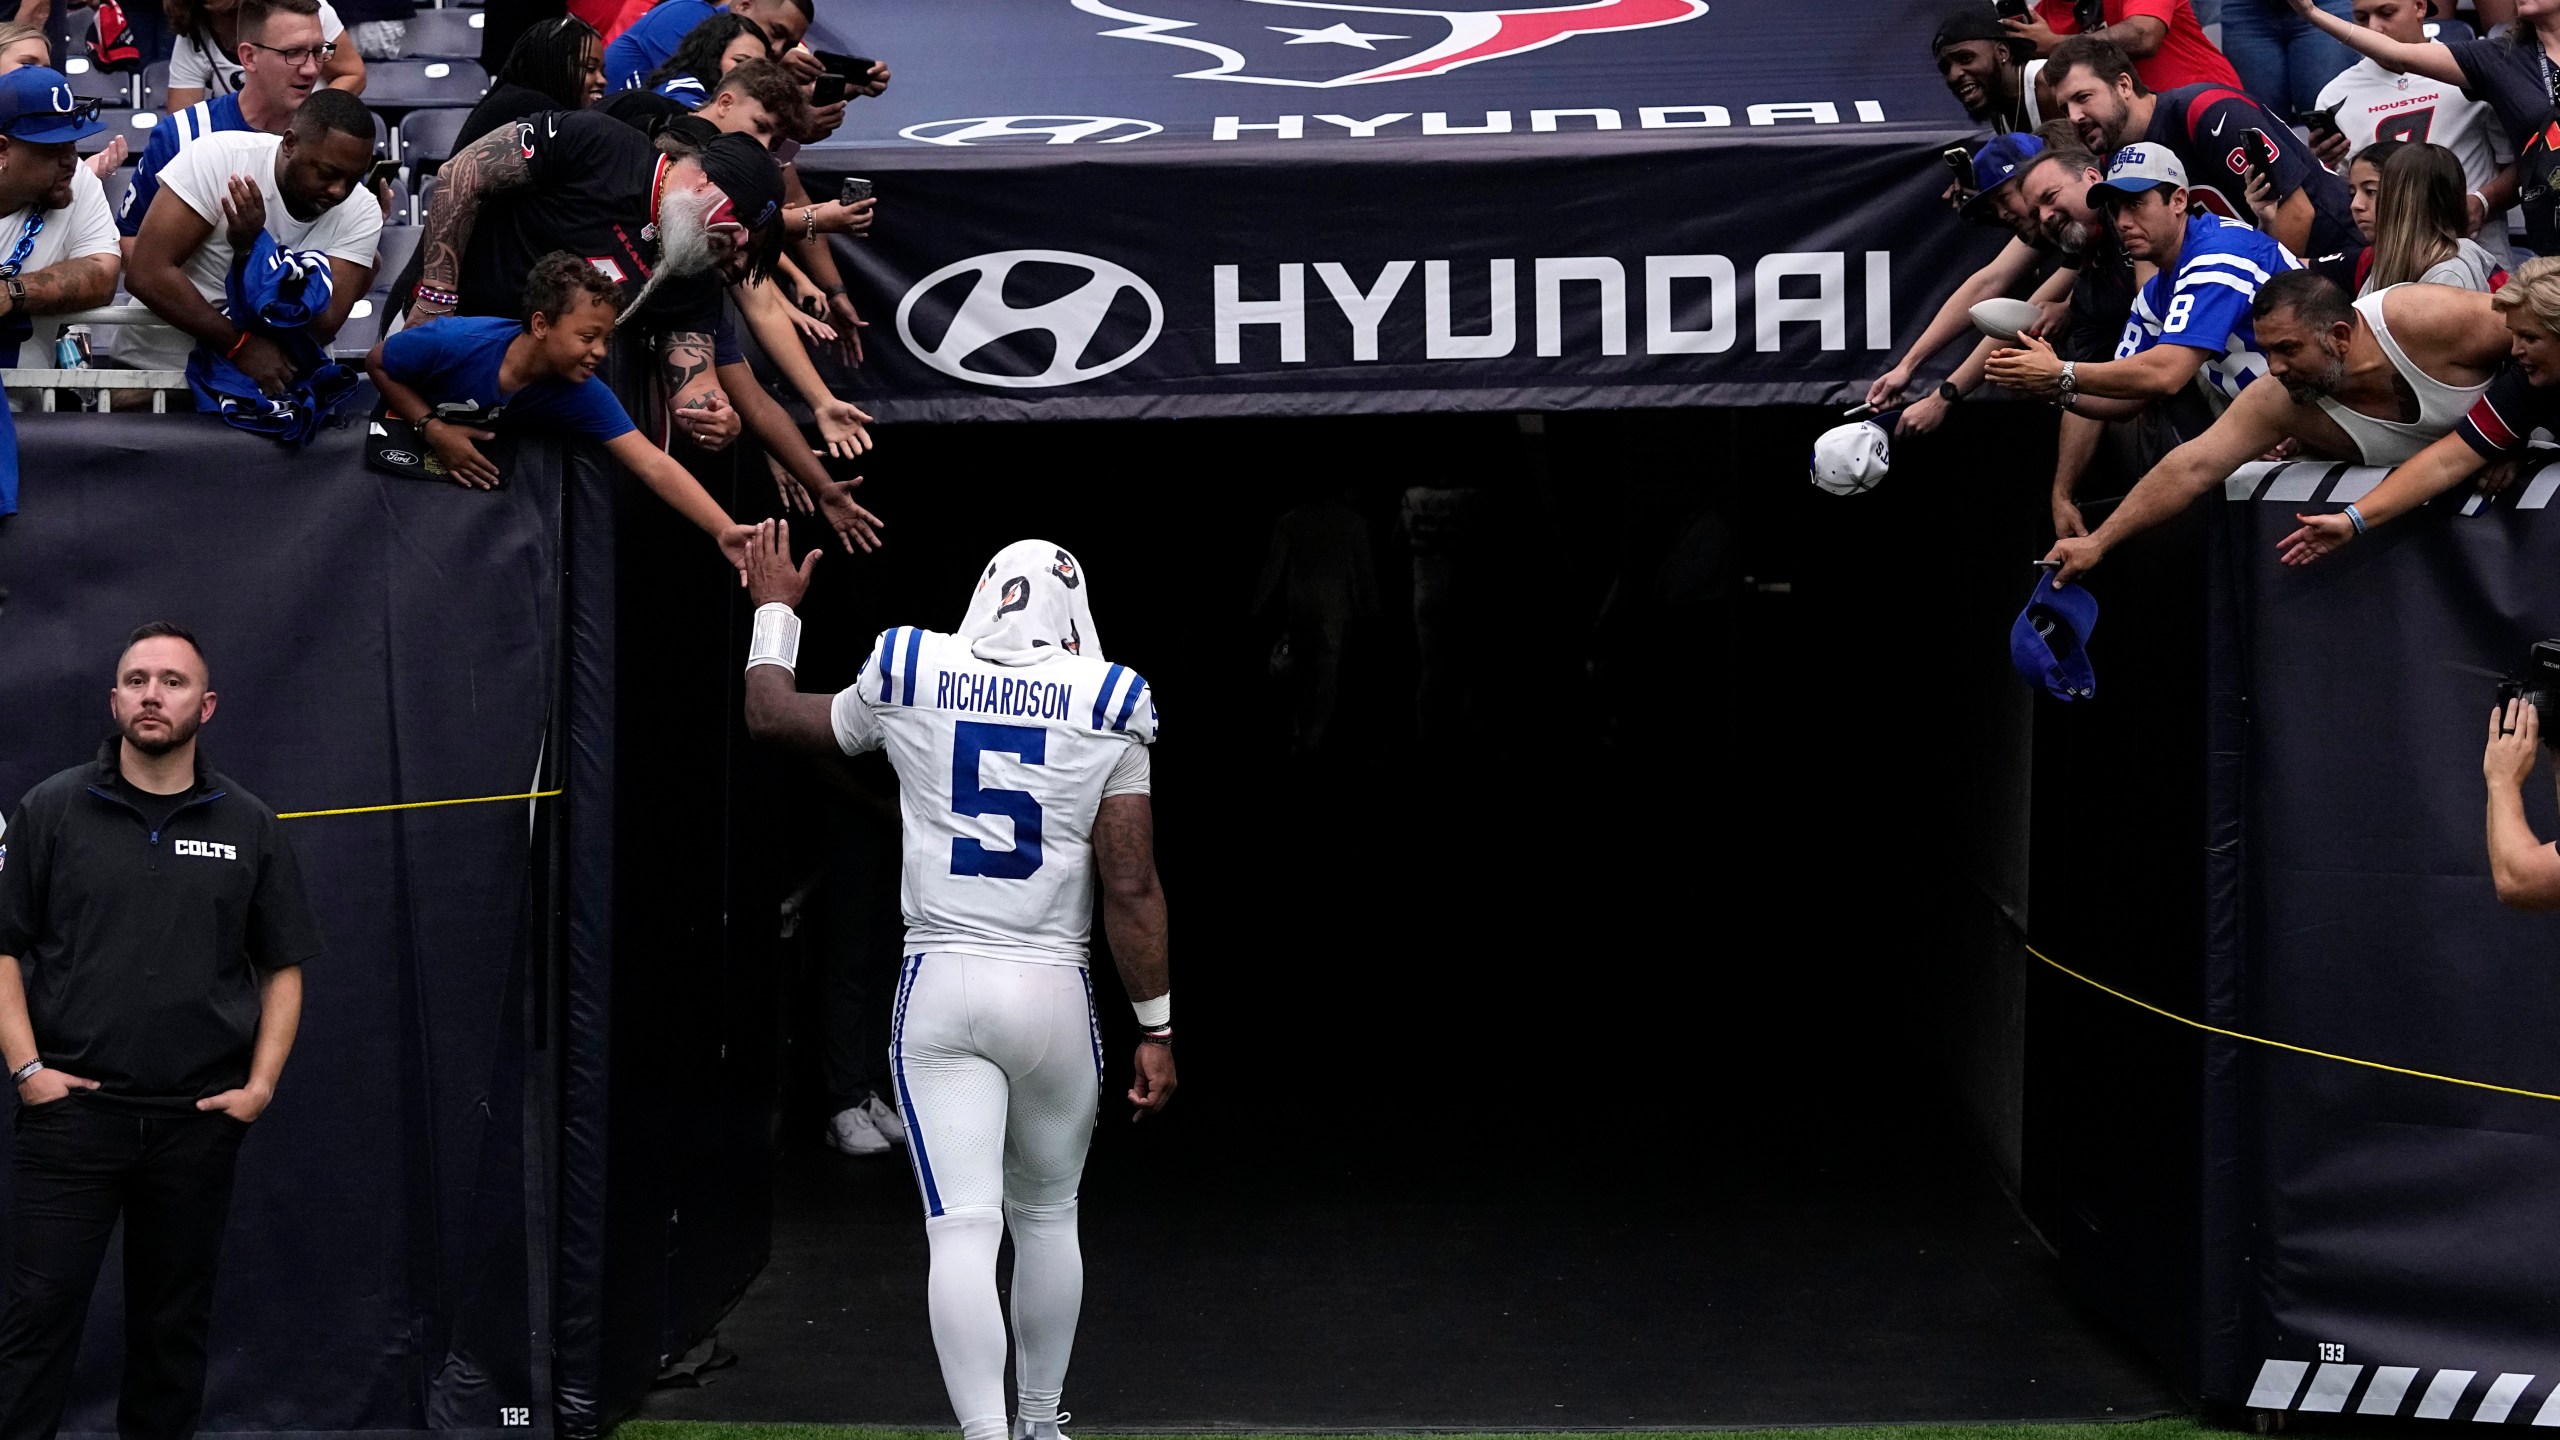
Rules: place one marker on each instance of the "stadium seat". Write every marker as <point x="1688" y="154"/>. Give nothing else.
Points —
<point x="426" y="137"/>
<point x="117" y="183"/>
<point x="91" y="83"/>
<point x="398" y="243"/>
<point x="421" y="84"/>
<point x="418" y="207"/>
<point x="134" y="125"/>
<point x="400" y="207"/>
<point x="443" y="35"/>
<point x="155" y="86"/>
<point x="381" y="136"/>
<point x="364" y="326"/>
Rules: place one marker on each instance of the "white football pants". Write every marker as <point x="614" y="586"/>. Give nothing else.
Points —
<point x="998" y="1068"/>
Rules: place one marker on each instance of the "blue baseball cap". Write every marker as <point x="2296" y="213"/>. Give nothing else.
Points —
<point x="1996" y="164"/>
<point x="2049" y="644"/>
<point x="37" y="106"/>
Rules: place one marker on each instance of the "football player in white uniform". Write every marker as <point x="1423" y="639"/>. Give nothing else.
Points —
<point x="1022" y="780"/>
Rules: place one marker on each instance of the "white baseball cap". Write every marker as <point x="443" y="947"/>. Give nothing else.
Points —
<point x="1852" y="458"/>
<point x="2143" y="165"/>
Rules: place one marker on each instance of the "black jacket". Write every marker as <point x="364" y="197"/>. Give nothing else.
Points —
<point x="141" y="950"/>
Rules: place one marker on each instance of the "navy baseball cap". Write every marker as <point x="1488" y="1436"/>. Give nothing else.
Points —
<point x="37" y="106"/>
<point x="1996" y="164"/>
<point x="2049" y="644"/>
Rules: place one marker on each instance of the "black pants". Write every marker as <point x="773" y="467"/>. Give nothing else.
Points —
<point x="76" y="1168"/>
<point x="856" y="947"/>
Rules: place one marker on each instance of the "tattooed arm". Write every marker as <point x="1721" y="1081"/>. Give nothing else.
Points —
<point x="694" y="396"/>
<point x="491" y="165"/>
<point x="81" y="284"/>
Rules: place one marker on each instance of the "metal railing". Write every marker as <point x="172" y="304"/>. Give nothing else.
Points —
<point x="48" y="382"/>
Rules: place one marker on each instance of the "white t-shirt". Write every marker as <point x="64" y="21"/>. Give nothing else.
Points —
<point x="1002" y="770"/>
<point x="193" y="65"/>
<point x="2381" y="105"/>
<point x="84" y="227"/>
<point x="201" y="176"/>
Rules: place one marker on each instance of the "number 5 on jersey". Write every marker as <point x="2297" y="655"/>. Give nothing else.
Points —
<point x="970" y="740"/>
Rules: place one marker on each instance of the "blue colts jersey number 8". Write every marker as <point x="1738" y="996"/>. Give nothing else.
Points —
<point x="1027" y="743"/>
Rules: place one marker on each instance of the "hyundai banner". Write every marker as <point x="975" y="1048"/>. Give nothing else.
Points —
<point x="1118" y="208"/>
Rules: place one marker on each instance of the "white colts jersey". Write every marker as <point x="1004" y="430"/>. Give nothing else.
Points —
<point x="1001" y="770"/>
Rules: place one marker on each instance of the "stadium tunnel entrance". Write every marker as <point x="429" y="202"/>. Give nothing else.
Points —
<point x="1610" y="1012"/>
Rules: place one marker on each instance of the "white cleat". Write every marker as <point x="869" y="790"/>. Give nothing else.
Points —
<point x="886" y="1121"/>
<point x="852" y="1132"/>
<point x="1042" y="1430"/>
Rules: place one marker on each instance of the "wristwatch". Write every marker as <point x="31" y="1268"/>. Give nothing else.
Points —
<point x="17" y="292"/>
<point x="1948" y="392"/>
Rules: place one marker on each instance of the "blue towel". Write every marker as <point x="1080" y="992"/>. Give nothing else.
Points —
<point x="280" y="292"/>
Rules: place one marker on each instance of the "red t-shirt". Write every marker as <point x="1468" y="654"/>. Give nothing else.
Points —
<point x="2186" y="57"/>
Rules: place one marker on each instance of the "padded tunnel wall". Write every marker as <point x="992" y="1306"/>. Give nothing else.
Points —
<point x="2399" y="1240"/>
<point x="671" y="998"/>
<point x="372" y="641"/>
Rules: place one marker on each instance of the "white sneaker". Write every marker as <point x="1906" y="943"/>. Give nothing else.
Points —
<point x="1026" y="1430"/>
<point x="886" y="1121"/>
<point x="852" y="1132"/>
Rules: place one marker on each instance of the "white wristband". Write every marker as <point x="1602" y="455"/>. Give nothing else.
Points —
<point x="1154" y="1014"/>
<point x="776" y="638"/>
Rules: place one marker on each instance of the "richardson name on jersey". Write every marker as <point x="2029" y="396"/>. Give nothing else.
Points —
<point x="1000" y="695"/>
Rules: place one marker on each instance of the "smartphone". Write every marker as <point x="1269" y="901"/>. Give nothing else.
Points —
<point x="828" y="90"/>
<point x="2323" y="122"/>
<point x="1960" y="164"/>
<point x="382" y="173"/>
<point x="2011" y="9"/>
<point x="855" y="191"/>
<point x="2261" y="152"/>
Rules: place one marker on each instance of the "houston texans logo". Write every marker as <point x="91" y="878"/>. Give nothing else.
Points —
<point x="1322" y="44"/>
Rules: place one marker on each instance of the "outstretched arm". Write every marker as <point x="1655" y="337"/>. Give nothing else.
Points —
<point x="777" y="713"/>
<point x="491" y="165"/>
<point x="2431" y="58"/>
<point x="2014" y="263"/>
<point x="2250" y="428"/>
<point x="675" y="484"/>
<point x="1133" y="916"/>
<point x="2415" y="481"/>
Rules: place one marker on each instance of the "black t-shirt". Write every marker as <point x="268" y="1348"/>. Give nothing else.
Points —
<point x="2206" y="127"/>
<point x="2102" y="291"/>
<point x="143" y="948"/>
<point x="156" y="809"/>
<point x="2505" y="417"/>
<point x="2511" y="81"/>
<point x="593" y="183"/>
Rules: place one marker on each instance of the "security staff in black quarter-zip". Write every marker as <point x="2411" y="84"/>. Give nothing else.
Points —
<point x="152" y="933"/>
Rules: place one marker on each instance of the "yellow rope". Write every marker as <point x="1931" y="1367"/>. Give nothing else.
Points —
<point x="2279" y="1044"/>
<point x="419" y="805"/>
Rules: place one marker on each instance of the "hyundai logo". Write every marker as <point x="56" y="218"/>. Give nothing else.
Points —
<point x="1048" y="129"/>
<point x="985" y="327"/>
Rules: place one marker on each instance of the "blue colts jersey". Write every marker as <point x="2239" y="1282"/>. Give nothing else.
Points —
<point x="2204" y="303"/>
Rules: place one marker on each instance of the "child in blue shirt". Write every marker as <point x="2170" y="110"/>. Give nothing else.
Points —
<point x="457" y="376"/>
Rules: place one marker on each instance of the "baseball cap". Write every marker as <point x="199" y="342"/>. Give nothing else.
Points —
<point x="2143" y="165"/>
<point x="1996" y="164"/>
<point x="745" y="173"/>
<point x="1850" y="459"/>
<point x="1976" y="20"/>
<point x="36" y="105"/>
<point x="2049" y="642"/>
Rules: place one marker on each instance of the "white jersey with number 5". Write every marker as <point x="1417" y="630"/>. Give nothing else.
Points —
<point x="1001" y="770"/>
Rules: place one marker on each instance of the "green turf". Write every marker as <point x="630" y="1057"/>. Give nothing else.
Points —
<point x="2180" y="1428"/>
